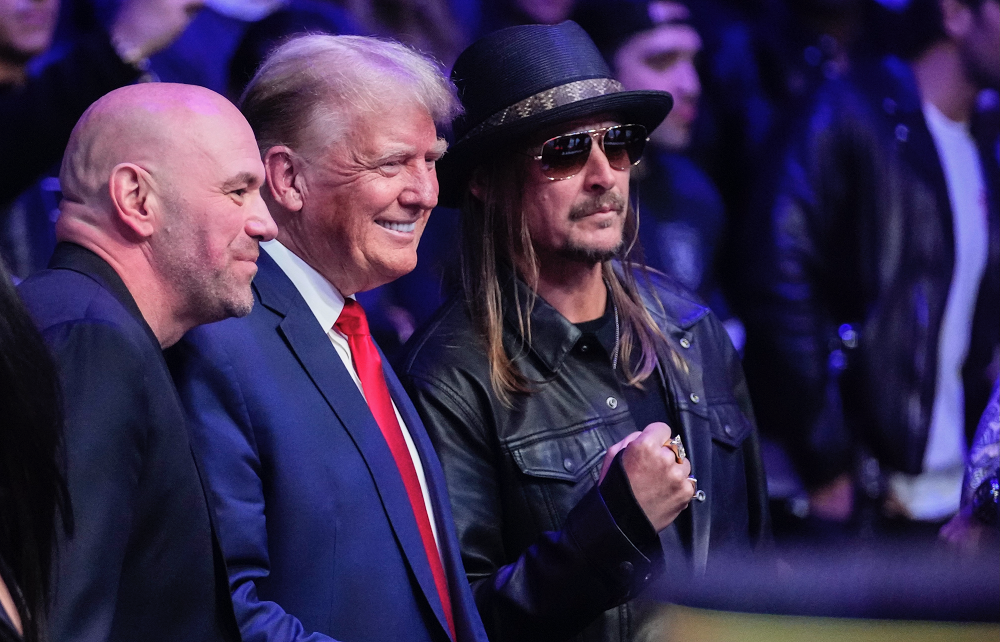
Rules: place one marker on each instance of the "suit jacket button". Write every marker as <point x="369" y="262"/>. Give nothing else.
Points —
<point x="568" y="464"/>
<point x="612" y="403"/>
<point x="685" y="343"/>
<point x="695" y="398"/>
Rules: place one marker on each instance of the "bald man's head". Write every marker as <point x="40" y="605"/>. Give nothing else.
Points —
<point x="151" y="125"/>
<point x="163" y="180"/>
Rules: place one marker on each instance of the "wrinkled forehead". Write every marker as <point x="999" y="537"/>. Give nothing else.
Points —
<point x="396" y="128"/>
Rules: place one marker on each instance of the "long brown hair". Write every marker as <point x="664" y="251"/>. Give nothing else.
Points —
<point x="494" y="231"/>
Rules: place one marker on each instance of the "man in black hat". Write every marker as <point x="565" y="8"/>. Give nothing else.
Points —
<point x="535" y="381"/>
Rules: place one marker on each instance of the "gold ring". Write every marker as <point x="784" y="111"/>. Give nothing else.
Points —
<point x="677" y="447"/>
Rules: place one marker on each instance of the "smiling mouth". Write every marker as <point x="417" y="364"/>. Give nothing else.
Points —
<point x="398" y="227"/>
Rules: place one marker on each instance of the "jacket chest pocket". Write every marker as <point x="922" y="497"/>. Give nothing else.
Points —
<point x="728" y="424"/>
<point x="556" y="470"/>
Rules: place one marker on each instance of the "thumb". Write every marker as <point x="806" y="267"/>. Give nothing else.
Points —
<point x="612" y="452"/>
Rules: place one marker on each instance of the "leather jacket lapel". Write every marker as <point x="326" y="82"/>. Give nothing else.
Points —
<point x="683" y="388"/>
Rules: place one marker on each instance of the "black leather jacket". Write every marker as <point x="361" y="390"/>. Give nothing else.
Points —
<point x="849" y="270"/>
<point x="543" y="553"/>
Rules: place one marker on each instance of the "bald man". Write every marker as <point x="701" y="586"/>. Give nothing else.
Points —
<point x="158" y="232"/>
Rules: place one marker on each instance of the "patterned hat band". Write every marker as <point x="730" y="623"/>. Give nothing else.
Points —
<point x="548" y="100"/>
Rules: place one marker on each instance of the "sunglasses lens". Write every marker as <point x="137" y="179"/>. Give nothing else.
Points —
<point x="564" y="156"/>
<point x="623" y="145"/>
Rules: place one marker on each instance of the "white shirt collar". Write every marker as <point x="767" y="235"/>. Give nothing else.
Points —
<point x="322" y="298"/>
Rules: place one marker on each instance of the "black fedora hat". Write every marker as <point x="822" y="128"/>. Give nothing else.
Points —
<point x="521" y="79"/>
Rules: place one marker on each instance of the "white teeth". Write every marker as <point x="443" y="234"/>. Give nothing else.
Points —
<point x="398" y="227"/>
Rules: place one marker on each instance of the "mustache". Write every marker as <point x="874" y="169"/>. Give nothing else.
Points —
<point x="613" y="200"/>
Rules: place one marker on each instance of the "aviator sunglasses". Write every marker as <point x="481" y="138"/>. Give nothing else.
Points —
<point x="564" y="156"/>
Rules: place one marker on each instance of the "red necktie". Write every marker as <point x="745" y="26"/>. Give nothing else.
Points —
<point x="354" y="324"/>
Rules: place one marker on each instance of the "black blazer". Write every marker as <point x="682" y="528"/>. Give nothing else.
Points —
<point x="143" y="563"/>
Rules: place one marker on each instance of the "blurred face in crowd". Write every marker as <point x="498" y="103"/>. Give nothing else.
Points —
<point x="581" y="217"/>
<point x="547" y="12"/>
<point x="663" y="59"/>
<point x="367" y="198"/>
<point x="980" y="46"/>
<point x="26" y="28"/>
<point x="215" y="215"/>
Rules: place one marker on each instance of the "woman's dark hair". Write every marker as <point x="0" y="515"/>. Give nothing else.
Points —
<point x="33" y="493"/>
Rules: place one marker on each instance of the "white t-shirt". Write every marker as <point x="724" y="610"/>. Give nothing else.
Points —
<point x="936" y="492"/>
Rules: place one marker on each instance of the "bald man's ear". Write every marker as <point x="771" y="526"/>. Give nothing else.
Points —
<point x="285" y="183"/>
<point x="132" y="199"/>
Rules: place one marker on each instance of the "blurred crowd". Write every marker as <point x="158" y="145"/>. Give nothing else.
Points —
<point x="827" y="182"/>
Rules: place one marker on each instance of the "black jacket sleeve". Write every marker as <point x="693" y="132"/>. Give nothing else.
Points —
<point x="563" y="580"/>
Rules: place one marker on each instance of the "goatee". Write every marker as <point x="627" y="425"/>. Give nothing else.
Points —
<point x="592" y="255"/>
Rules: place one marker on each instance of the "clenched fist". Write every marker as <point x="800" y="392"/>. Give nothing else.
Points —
<point x="659" y="483"/>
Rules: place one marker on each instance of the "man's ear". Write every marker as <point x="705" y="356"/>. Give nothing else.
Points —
<point x="132" y="199"/>
<point x="476" y="183"/>
<point x="284" y="179"/>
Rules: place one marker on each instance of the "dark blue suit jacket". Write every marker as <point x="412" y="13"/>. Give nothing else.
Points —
<point x="313" y="515"/>
<point x="143" y="563"/>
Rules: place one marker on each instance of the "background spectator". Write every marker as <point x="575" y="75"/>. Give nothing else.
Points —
<point x="38" y="110"/>
<point x="652" y="45"/>
<point x="976" y="523"/>
<point x="872" y="276"/>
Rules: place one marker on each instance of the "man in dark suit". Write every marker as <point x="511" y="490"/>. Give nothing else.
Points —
<point x="159" y="231"/>
<point x="332" y="506"/>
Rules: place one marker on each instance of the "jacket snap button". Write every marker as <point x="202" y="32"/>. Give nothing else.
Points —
<point x="695" y="398"/>
<point x="584" y="348"/>
<point x="685" y="343"/>
<point x="728" y="430"/>
<point x="568" y="464"/>
<point x="612" y="403"/>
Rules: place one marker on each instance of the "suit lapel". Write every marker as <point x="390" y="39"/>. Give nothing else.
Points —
<point x="312" y="347"/>
<point x="437" y="490"/>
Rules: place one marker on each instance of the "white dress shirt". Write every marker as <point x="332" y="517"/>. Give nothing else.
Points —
<point x="326" y="304"/>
